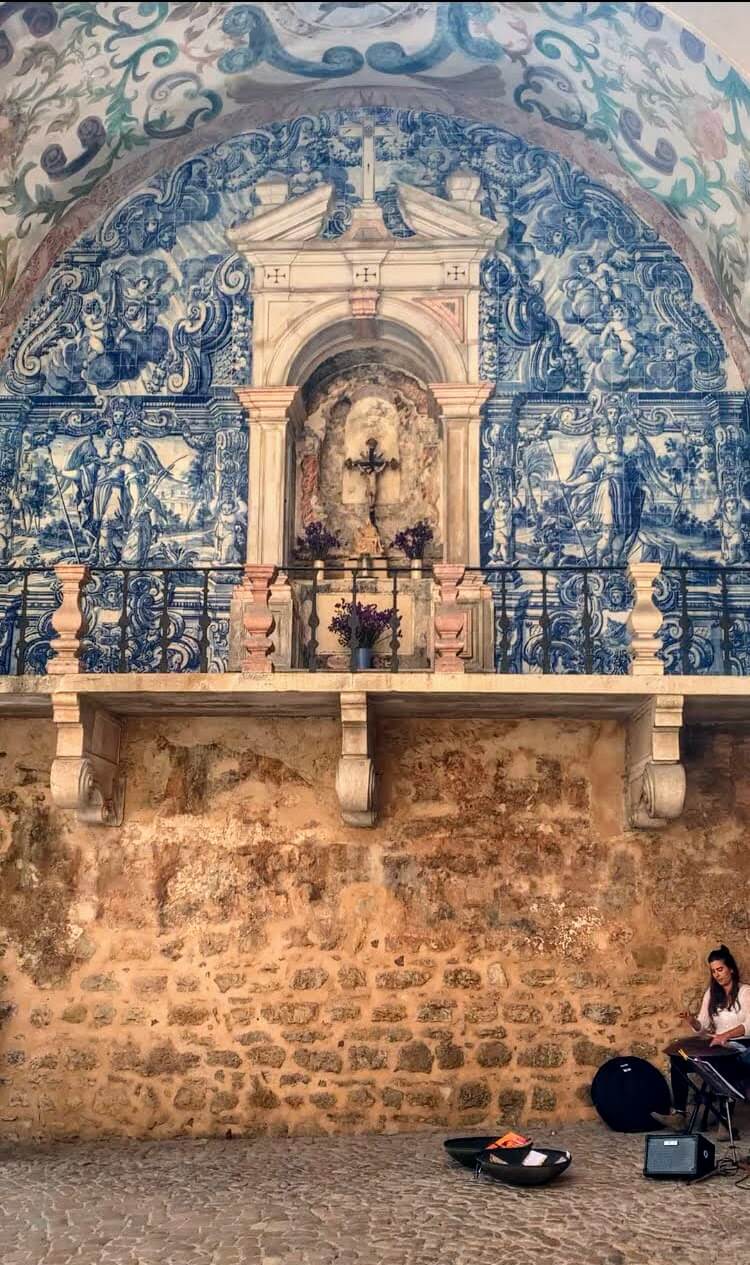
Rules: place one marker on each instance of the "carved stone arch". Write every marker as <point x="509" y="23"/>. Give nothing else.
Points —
<point x="406" y="342"/>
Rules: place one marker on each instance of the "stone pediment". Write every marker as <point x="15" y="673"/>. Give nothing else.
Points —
<point x="433" y="220"/>
<point x="298" y="220"/>
<point x="439" y="220"/>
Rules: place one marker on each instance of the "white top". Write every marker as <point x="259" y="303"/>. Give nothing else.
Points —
<point x="724" y="1020"/>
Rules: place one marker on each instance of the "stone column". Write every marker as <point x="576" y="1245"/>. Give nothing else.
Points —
<point x="460" y="404"/>
<point x="450" y="620"/>
<point x="257" y="619"/>
<point x="270" y="410"/>
<point x="644" y="620"/>
<point x="67" y="620"/>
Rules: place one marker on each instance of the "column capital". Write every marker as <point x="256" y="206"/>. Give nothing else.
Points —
<point x="271" y="404"/>
<point x="462" y="400"/>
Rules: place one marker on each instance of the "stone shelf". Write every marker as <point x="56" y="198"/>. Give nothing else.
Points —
<point x="89" y="710"/>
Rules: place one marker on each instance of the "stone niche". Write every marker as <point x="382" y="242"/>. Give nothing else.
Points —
<point x="347" y="404"/>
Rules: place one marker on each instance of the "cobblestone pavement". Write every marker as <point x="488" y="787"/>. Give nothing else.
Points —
<point x="366" y="1200"/>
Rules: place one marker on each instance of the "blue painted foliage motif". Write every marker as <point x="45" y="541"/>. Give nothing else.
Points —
<point x="609" y="431"/>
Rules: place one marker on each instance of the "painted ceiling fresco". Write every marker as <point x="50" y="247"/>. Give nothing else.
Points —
<point x="88" y="88"/>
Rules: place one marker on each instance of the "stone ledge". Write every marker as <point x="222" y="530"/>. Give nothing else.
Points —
<point x="707" y="699"/>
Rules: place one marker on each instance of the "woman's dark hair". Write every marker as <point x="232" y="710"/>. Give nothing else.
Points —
<point x="718" y="999"/>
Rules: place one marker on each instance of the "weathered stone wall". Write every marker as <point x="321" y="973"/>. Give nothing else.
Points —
<point x="235" y="958"/>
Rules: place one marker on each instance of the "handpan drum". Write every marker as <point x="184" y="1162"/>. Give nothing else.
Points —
<point x="698" y="1047"/>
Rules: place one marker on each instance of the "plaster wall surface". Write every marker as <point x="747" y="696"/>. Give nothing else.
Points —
<point x="234" y="958"/>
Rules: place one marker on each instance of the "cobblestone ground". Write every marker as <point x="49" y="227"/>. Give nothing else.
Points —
<point x="366" y="1200"/>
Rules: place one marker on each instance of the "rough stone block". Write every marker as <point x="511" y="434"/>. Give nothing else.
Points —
<point x="309" y="977"/>
<point x="398" y="979"/>
<point x="415" y="1057"/>
<point x="188" y="1015"/>
<point x="543" y="1099"/>
<point x="75" y="1013"/>
<point x="225" y="980"/>
<point x="262" y="1097"/>
<point x="266" y="1055"/>
<point x="601" y="1014"/>
<point x="296" y="1012"/>
<point x="318" y="1060"/>
<point x="449" y="1056"/>
<point x="191" y="1096"/>
<point x="103" y="983"/>
<point x="223" y="1058"/>
<point x="149" y="985"/>
<point x="472" y="1095"/>
<point x="390" y="1012"/>
<point x="350" y="977"/>
<point x="511" y="1104"/>
<point x="544" y="1055"/>
<point x="365" y="1056"/>
<point x="461" y="977"/>
<point x="521" y="1013"/>
<point x="588" y="1054"/>
<point x="324" y="1101"/>
<point x="436" y="1012"/>
<point x="493" y="1054"/>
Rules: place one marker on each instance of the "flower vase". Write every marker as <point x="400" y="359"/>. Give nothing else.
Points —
<point x="319" y="567"/>
<point x="416" y="568"/>
<point x="363" y="658"/>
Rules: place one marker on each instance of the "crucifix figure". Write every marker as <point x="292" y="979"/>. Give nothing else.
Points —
<point x="370" y="464"/>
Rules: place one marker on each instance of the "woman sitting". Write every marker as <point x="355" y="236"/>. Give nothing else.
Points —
<point x="724" y="1016"/>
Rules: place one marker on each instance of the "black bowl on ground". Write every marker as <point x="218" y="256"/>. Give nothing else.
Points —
<point x="518" y="1174"/>
<point x="466" y="1151"/>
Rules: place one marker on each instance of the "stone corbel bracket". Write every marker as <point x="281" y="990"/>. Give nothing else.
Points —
<point x="85" y="777"/>
<point x="355" y="776"/>
<point x="655" y="777"/>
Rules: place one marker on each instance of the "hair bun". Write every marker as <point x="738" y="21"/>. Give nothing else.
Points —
<point x="723" y="948"/>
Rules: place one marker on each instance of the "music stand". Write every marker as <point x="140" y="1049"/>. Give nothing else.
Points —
<point x="720" y="1088"/>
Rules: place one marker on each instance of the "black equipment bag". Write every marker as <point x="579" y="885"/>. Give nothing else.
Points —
<point x="626" y="1090"/>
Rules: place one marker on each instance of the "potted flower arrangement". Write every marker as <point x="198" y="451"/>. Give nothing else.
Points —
<point x="371" y="624"/>
<point x="413" y="541"/>
<point x="316" y="542"/>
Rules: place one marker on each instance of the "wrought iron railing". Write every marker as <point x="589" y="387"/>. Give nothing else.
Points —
<point x="553" y="620"/>
<point x="545" y="620"/>
<point x="157" y="619"/>
<point x="28" y="599"/>
<point x="356" y="591"/>
<point x="706" y="620"/>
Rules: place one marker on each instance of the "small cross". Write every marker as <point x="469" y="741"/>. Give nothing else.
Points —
<point x="456" y="273"/>
<point x="364" y="274"/>
<point x="278" y="275"/>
